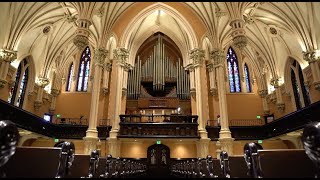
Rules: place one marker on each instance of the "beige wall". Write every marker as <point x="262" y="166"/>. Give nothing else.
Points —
<point x="244" y="106"/>
<point x="178" y="149"/>
<point x="73" y="105"/>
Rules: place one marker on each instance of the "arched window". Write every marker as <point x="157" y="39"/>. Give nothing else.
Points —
<point x="18" y="91"/>
<point x="68" y="87"/>
<point x="247" y="76"/>
<point x="300" y="92"/>
<point x="84" y="68"/>
<point x="233" y="71"/>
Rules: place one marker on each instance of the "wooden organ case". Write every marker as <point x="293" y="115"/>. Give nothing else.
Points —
<point x="158" y="84"/>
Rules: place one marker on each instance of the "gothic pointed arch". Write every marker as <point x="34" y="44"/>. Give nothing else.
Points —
<point x="233" y="71"/>
<point x="84" y="70"/>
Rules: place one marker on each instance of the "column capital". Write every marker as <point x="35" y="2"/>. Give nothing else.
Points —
<point x="263" y="93"/>
<point x="126" y="66"/>
<point x="197" y="56"/>
<point x="107" y="66"/>
<point x="238" y="33"/>
<point x="281" y="107"/>
<point x="189" y="67"/>
<point x="81" y="41"/>
<point x="7" y="55"/>
<point x="55" y="92"/>
<point x="311" y="56"/>
<point x="43" y="81"/>
<point x="210" y="67"/>
<point x="100" y="55"/>
<point x="218" y="57"/>
<point x="121" y="55"/>
<point x="274" y="82"/>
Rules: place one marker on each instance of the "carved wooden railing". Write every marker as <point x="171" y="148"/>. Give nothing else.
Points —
<point x="161" y="126"/>
<point x="239" y="122"/>
<point x="31" y="122"/>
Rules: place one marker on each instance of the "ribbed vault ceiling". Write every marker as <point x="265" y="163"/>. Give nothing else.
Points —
<point x="297" y="25"/>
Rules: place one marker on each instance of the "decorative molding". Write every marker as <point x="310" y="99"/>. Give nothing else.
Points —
<point x="219" y="13"/>
<point x="55" y="92"/>
<point x="81" y="41"/>
<point x="121" y="55"/>
<point x="7" y="55"/>
<point x="2" y="83"/>
<point x="263" y="93"/>
<point x="274" y="82"/>
<point x="281" y="107"/>
<point x="107" y="66"/>
<point x="214" y="91"/>
<point x="317" y="85"/>
<point x="105" y="91"/>
<point x="43" y="81"/>
<point x="218" y="57"/>
<point x="197" y="56"/>
<point x="310" y="56"/>
<point x="70" y="18"/>
<point x="100" y="56"/>
<point x="240" y="41"/>
<point x="37" y="105"/>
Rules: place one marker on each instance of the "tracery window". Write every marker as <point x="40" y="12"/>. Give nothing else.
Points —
<point x="300" y="92"/>
<point x="84" y="69"/>
<point x="68" y="87"/>
<point x="18" y="91"/>
<point x="247" y="76"/>
<point x="233" y="71"/>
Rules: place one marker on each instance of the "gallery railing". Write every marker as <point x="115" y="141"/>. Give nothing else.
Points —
<point x="158" y="126"/>
<point x="31" y="122"/>
<point x="291" y="122"/>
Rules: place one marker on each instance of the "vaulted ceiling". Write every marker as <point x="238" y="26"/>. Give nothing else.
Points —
<point x="275" y="30"/>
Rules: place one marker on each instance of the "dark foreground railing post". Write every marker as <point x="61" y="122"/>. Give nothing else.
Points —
<point x="66" y="158"/>
<point x="224" y="164"/>
<point x="252" y="160"/>
<point x="311" y="143"/>
<point x="9" y="137"/>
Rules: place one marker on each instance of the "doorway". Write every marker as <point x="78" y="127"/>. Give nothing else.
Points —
<point x="158" y="160"/>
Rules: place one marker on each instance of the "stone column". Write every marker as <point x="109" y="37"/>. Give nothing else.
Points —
<point x="280" y="104"/>
<point x="312" y="57"/>
<point x="42" y="83"/>
<point x="6" y="57"/>
<point x="106" y="74"/>
<point x="114" y="146"/>
<point x="190" y="68"/>
<point x="225" y="138"/>
<point x="263" y="94"/>
<point x="91" y="138"/>
<point x="197" y="56"/>
<point x="212" y="78"/>
<point x="120" y="55"/>
<point x="54" y="93"/>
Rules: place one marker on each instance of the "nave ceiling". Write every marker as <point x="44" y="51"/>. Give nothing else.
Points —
<point x="275" y="30"/>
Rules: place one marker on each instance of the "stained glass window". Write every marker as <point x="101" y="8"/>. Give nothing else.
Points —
<point x="13" y="90"/>
<point x="300" y="91"/>
<point x="17" y="92"/>
<point x="247" y="76"/>
<point x="68" y="87"/>
<point x="84" y="70"/>
<point x="233" y="71"/>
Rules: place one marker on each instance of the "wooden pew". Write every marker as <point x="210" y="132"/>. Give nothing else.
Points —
<point x="286" y="163"/>
<point x="80" y="166"/>
<point x="238" y="167"/>
<point x="33" y="162"/>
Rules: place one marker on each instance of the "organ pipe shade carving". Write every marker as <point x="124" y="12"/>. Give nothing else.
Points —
<point x="159" y="75"/>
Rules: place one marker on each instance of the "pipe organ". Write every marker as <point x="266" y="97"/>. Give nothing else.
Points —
<point x="159" y="74"/>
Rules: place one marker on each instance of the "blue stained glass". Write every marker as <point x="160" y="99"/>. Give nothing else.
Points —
<point x="233" y="71"/>
<point x="84" y="70"/>
<point x="247" y="76"/>
<point x="70" y="77"/>
<point x="21" y="89"/>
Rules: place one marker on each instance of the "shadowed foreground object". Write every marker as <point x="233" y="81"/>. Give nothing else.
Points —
<point x="311" y="143"/>
<point x="252" y="160"/>
<point x="9" y="137"/>
<point x="66" y="159"/>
